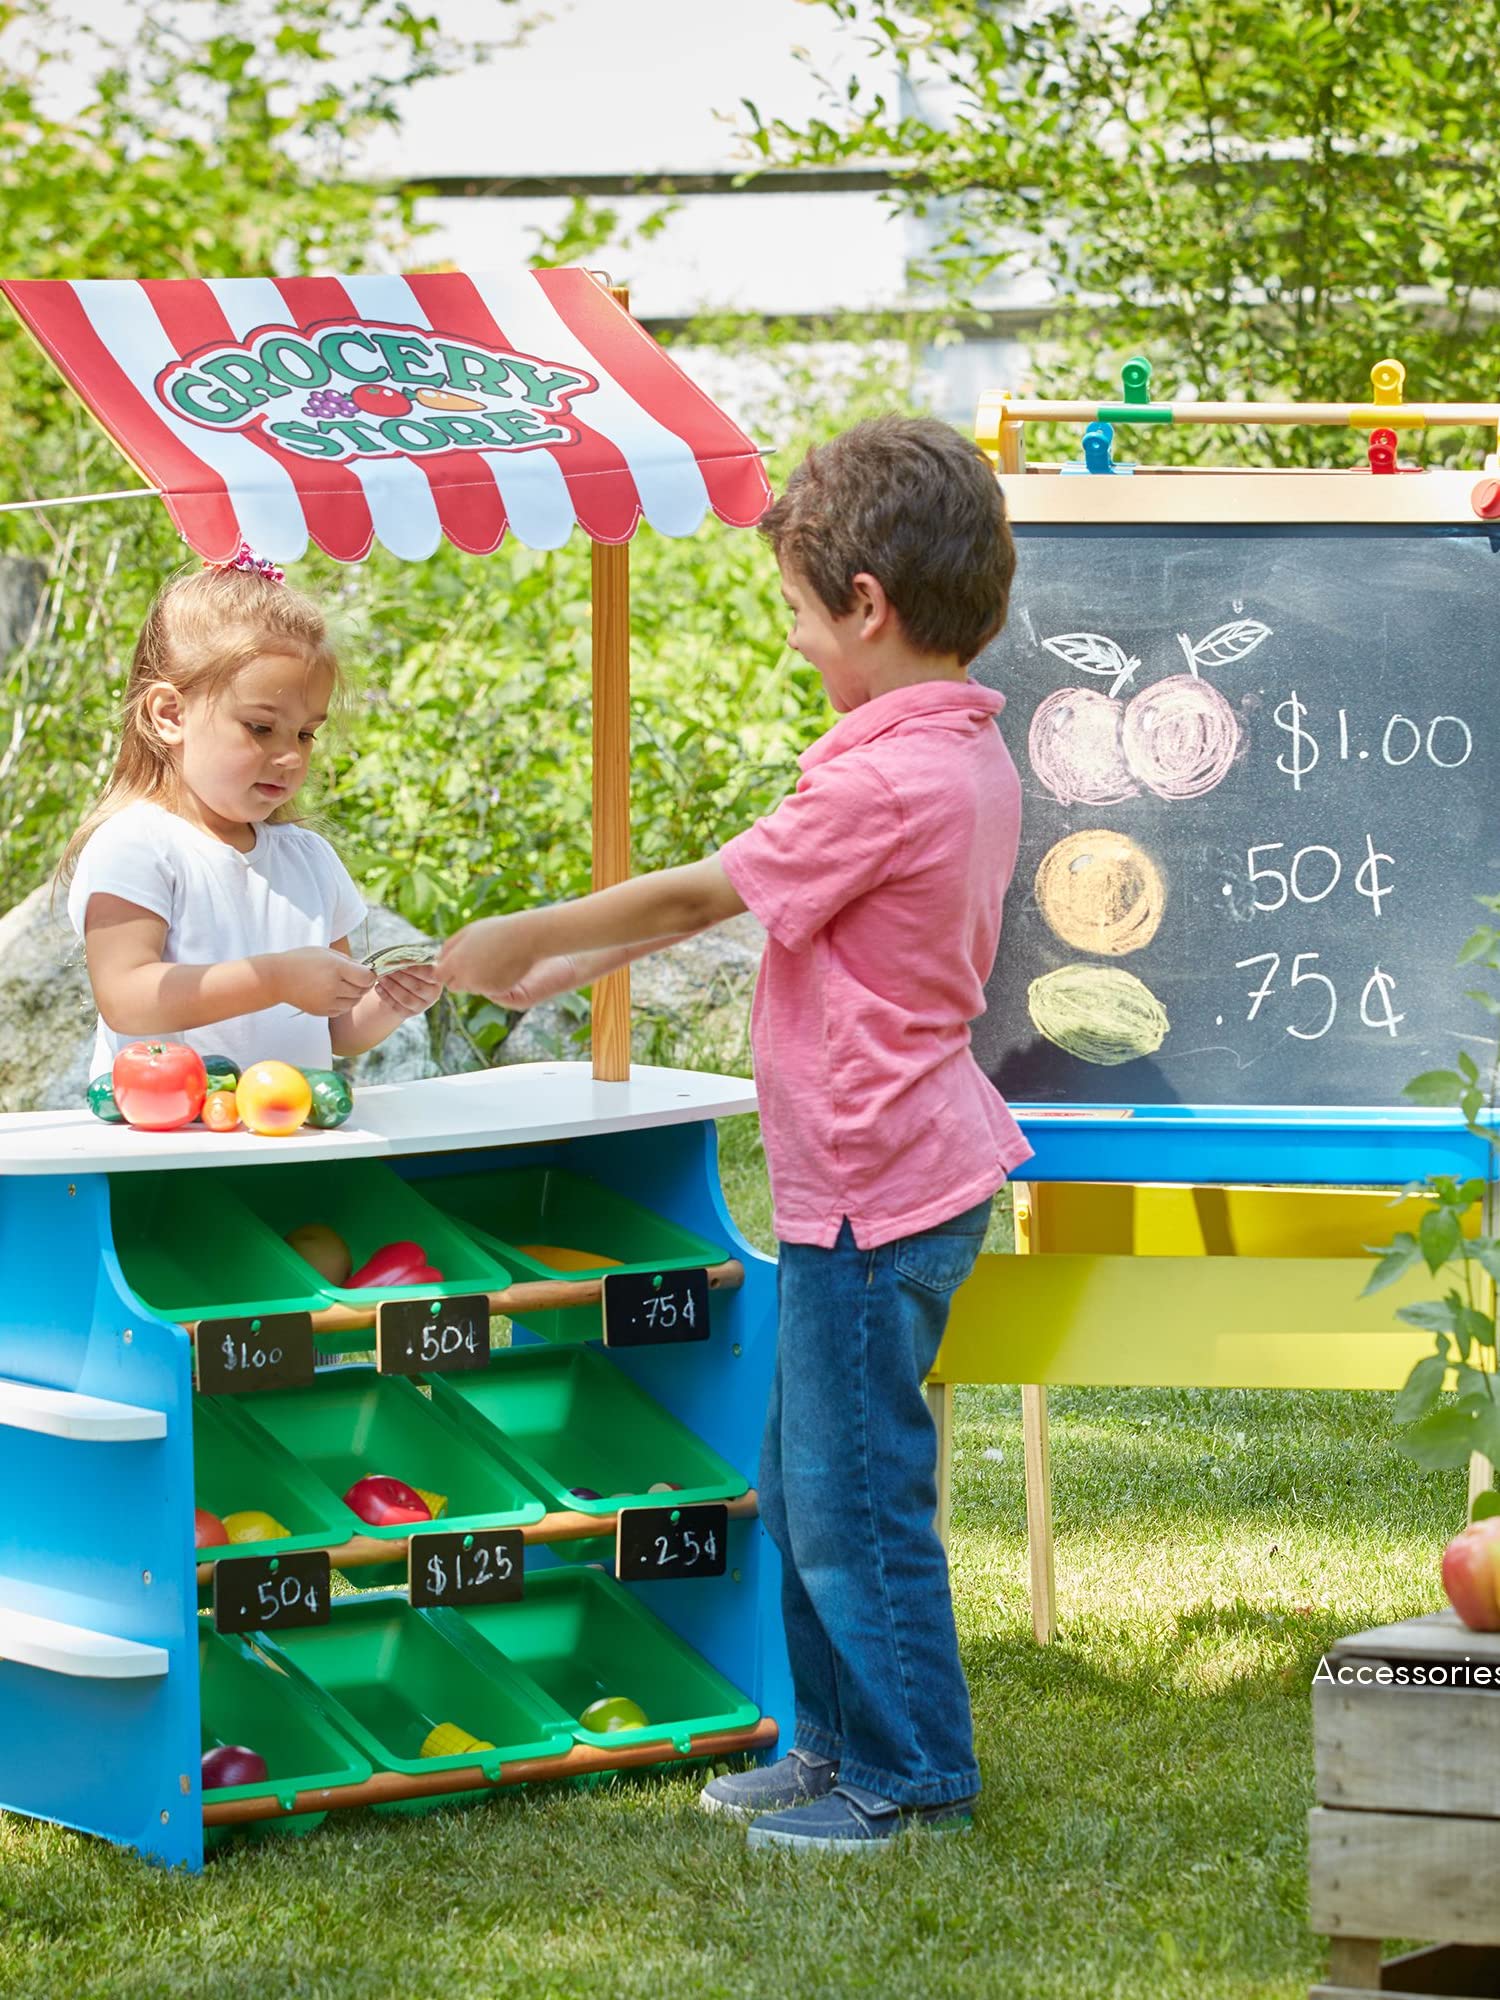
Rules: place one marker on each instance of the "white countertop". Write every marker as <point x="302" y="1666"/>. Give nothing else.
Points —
<point x="525" y="1104"/>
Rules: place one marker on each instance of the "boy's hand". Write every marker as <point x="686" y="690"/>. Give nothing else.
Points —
<point x="491" y="957"/>
<point x="410" y="989"/>
<point x="319" y="980"/>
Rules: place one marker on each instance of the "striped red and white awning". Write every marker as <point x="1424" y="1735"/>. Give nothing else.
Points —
<point x="397" y="409"/>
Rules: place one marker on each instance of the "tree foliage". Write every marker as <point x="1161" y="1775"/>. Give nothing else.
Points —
<point x="1267" y="196"/>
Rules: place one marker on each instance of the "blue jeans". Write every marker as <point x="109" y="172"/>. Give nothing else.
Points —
<point x="848" y="1489"/>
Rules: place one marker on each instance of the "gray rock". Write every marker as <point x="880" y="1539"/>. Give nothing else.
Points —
<point x="690" y="1006"/>
<point x="46" y="1009"/>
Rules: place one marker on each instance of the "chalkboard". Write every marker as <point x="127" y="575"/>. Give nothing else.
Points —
<point x="1261" y="780"/>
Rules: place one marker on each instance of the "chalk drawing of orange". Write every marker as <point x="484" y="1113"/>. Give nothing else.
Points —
<point x="1180" y="737"/>
<point x="1100" y="893"/>
<point x="1099" y="1013"/>
<point x="1074" y="747"/>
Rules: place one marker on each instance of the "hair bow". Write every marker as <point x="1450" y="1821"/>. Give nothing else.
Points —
<point x="262" y="565"/>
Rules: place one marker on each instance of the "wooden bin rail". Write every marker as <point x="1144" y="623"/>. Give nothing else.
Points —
<point x="559" y="1527"/>
<point x="516" y="1301"/>
<point x="388" y="1787"/>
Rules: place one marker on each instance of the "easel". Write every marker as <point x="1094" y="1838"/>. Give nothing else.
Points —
<point x="1209" y="1286"/>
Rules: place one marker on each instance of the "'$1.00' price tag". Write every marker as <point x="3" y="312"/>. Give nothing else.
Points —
<point x="231" y="1357"/>
<point x="484" y="1566"/>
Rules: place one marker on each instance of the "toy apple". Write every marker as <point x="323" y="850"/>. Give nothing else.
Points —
<point x="377" y="400"/>
<point x="272" y="1098"/>
<point x="386" y="1503"/>
<point x="1471" y="1574"/>
<point x="158" y="1086"/>
<point x="209" y="1531"/>
<point x="324" y="1249"/>
<point x="251" y="1525"/>
<point x="583" y="1493"/>
<point x="612" y="1712"/>
<point x="232" y="1764"/>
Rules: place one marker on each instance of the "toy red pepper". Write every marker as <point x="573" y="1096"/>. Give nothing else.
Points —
<point x="394" y="1264"/>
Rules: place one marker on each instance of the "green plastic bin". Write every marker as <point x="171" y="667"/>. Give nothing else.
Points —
<point x="516" y="1212"/>
<point x="190" y="1249"/>
<point x="369" y="1206"/>
<point x="580" y="1636"/>
<point x="244" y="1700"/>
<point x="351" y="1421"/>
<point x="564" y="1417"/>
<point x="387" y="1675"/>
<point x="237" y="1466"/>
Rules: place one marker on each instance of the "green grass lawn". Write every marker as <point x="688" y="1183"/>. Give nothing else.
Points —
<point x="1147" y="1777"/>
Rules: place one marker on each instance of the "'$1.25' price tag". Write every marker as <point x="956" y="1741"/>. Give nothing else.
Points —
<point x="483" y="1567"/>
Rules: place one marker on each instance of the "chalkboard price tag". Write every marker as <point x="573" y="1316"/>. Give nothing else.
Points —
<point x="484" y="1567"/>
<point x="657" y="1544"/>
<point x="232" y="1357"/>
<point x="271" y="1593"/>
<point x="432" y="1336"/>
<point x="650" y="1308"/>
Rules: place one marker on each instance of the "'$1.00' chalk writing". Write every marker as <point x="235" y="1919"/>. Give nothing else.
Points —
<point x="1443" y="741"/>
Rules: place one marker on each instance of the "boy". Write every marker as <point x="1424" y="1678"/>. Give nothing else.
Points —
<point x="879" y="882"/>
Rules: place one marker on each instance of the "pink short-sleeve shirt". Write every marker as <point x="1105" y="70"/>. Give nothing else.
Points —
<point x="880" y="882"/>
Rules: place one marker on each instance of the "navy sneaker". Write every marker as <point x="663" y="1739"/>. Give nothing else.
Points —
<point x="851" y="1820"/>
<point x="793" y="1780"/>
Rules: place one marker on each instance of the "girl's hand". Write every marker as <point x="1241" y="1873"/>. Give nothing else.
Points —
<point x="491" y="957"/>
<point x="409" y="989"/>
<point x="319" y="980"/>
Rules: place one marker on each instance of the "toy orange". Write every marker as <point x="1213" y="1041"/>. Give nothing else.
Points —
<point x="220" y="1113"/>
<point x="273" y="1098"/>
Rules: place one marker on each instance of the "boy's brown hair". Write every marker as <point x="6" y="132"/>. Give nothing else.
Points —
<point x="914" y="504"/>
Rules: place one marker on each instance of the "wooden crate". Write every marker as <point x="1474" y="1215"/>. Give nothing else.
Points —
<point x="1404" y="1841"/>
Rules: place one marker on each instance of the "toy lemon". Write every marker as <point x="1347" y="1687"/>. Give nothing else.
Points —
<point x="253" y="1526"/>
<point x="273" y="1099"/>
<point x="446" y="1739"/>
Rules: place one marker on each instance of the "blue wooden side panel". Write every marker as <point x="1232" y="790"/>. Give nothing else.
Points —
<point x="102" y="1535"/>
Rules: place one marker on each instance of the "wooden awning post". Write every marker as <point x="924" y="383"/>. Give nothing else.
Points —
<point x="611" y="664"/>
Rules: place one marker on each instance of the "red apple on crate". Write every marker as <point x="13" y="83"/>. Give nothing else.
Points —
<point x="1471" y="1574"/>
<point x="382" y="1502"/>
<point x="232" y="1764"/>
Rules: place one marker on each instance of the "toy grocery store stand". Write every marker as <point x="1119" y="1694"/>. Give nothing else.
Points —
<point x="558" y="1568"/>
<point x="1252" y="717"/>
<point x="115" y="1243"/>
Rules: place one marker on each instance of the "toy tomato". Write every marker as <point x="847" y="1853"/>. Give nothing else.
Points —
<point x="159" y="1085"/>
<point x="332" y="1098"/>
<point x="273" y="1099"/>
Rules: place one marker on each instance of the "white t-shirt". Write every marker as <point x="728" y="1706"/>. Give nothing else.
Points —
<point x="290" y="890"/>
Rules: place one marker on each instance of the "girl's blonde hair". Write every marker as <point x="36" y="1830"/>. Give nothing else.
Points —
<point x="203" y="628"/>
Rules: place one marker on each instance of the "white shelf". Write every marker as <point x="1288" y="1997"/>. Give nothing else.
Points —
<point x="525" y="1104"/>
<point x="56" y="1648"/>
<point x="62" y="1413"/>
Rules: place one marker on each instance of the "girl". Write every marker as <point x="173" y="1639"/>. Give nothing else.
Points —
<point x="208" y="913"/>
